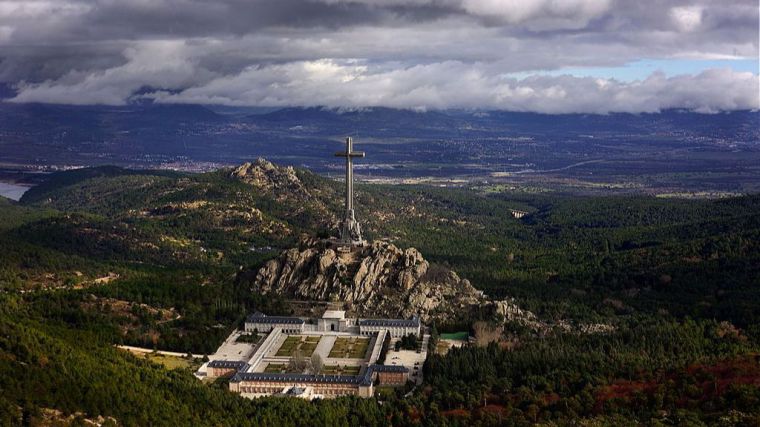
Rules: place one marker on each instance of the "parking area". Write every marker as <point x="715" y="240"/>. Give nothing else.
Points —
<point x="233" y="350"/>
<point x="412" y="359"/>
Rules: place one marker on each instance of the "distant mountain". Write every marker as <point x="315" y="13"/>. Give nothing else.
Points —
<point x="620" y="152"/>
<point x="668" y="119"/>
<point x="30" y="116"/>
<point x="379" y="118"/>
<point x="376" y="119"/>
<point x="7" y="91"/>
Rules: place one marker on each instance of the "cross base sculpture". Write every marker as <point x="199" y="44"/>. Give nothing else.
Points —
<point x="350" y="231"/>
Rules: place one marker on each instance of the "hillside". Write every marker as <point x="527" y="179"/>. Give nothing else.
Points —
<point x="643" y="252"/>
<point x="173" y="261"/>
<point x="46" y="366"/>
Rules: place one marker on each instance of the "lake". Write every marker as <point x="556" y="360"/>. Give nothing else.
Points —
<point x="12" y="191"/>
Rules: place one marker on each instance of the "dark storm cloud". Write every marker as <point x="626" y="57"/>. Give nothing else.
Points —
<point x="406" y="53"/>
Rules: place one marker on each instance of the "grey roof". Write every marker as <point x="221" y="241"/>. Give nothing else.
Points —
<point x="408" y="323"/>
<point x="390" y="368"/>
<point x="296" y="378"/>
<point x="363" y="379"/>
<point x="234" y="364"/>
<point x="279" y="320"/>
<point x="366" y="379"/>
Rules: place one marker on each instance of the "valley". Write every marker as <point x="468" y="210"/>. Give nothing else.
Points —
<point x="674" y="152"/>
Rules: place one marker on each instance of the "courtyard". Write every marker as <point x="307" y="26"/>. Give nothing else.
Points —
<point x="294" y="343"/>
<point x="341" y="370"/>
<point x="349" y="348"/>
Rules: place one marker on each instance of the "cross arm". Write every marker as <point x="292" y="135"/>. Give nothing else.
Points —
<point x="351" y="154"/>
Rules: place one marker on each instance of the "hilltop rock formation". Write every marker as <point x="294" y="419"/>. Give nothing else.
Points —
<point x="381" y="280"/>
<point x="276" y="180"/>
<point x="283" y="184"/>
<point x="377" y="280"/>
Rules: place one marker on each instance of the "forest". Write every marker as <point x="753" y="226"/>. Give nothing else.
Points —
<point x="104" y="256"/>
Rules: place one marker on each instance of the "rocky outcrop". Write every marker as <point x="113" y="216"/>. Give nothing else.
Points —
<point x="294" y="197"/>
<point x="276" y="180"/>
<point x="377" y="280"/>
<point x="381" y="280"/>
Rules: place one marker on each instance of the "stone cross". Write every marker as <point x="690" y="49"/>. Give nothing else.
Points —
<point x="350" y="232"/>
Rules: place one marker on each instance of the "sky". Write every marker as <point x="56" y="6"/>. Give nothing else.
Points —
<point x="547" y="56"/>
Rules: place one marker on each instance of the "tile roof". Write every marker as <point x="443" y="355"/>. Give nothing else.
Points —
<point x="261" y="318"/>
<point x="295" y="378"/>
<point x="363" y="379"/>
<point x="234" y="364"/>
<point x="390" y="368"/>
<point x="408" y="323"/>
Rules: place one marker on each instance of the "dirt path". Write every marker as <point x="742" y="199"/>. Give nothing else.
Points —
<point x="150" y="350"/>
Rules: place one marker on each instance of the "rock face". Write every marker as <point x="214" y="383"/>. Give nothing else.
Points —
<point x="377" y="280"/>
<point x="381" y="280"/>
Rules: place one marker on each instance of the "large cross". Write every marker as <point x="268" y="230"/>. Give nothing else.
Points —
<point x="350" y="232"/>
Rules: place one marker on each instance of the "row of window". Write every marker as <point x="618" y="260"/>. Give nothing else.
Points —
<point x="394" y="331"/>
<point x="268" y="328"/>
<point x="323" y="391"/>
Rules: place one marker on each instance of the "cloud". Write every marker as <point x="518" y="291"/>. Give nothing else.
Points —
<point x="687" y="18"/>
<point x="543" y="14"/>
<point x="540" y="14"/>
<point x="156" y="64"/>
<point x="412" y="53"/>
<point x="458" y="85"/>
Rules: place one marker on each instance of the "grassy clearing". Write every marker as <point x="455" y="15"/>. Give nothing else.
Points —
<point x="442" y="347"/>
<point x="170" y="362"/>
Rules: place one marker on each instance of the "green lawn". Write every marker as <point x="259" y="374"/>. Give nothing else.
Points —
<point x="349" y="348"/>
<point x="307" y="345"/>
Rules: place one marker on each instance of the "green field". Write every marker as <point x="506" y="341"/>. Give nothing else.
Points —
<point x="349" y="348"/>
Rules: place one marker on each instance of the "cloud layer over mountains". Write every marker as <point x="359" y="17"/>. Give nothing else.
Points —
<point x="396" y="53"/>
